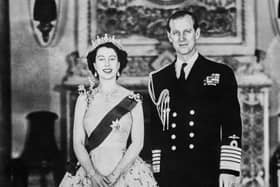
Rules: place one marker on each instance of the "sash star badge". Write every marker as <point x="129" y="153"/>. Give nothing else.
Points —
<point x="115" y="124"/>
<point x="212" y="80"/>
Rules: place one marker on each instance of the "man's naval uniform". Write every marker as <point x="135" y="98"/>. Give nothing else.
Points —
<point x="196" y="124"/>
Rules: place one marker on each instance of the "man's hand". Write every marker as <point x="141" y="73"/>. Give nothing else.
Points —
<point x="227" y="180"/>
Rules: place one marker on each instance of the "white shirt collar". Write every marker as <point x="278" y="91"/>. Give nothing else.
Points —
<point x="178" y="65"/>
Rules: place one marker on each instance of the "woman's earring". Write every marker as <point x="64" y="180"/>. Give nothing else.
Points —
<point x="95" y="75"/>
<point x="118" y="74"/>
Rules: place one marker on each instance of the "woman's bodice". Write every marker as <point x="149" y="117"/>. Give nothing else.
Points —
<point x="106" y="156"/>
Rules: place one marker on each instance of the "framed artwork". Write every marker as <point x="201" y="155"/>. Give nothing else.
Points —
<point x="227" y="26"/>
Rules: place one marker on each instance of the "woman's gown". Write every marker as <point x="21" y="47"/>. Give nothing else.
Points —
<point x="106" y="156"/>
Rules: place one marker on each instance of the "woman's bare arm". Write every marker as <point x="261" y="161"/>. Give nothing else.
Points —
<point x="79" y="135"/>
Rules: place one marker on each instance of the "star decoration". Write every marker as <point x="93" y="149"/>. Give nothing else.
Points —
<point x="115" y="124"/>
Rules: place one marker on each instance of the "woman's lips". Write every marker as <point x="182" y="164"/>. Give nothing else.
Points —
<point x="107" y="70"/>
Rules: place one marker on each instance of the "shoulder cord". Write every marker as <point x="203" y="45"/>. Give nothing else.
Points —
<point x="162" y="105"/>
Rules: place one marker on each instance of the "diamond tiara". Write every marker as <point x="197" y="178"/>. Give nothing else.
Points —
<point x="105" y="39"/>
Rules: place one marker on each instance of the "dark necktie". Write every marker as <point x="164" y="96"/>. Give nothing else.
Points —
<point x="182" y="73"/>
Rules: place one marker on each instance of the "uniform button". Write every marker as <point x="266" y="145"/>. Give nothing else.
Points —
<point x="174" y="114"/>
<point x="173" y="136"/>
<point x="191" y="146"/>
<point x="192" y="112"/>
<point x="191" y="123"/>
<point x="173" y="125"/>
<point x="191" y="134"/>
<point x="173" y="148"/>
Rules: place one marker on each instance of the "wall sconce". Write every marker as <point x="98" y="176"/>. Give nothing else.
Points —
<point x="44" y="20"/>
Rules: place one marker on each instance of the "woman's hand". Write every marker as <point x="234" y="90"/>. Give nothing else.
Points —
<point x="111" y="178"/>
<point x="98" y="181"/>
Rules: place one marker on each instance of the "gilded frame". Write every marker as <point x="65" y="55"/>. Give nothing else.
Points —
<point x="240" y="43"/>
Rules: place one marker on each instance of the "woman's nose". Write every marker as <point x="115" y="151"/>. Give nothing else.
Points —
<point x="107" y="62"/>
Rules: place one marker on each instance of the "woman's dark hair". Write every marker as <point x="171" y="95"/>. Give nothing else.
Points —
<point x="121" y="54"/>
<point x="180" y="14"/>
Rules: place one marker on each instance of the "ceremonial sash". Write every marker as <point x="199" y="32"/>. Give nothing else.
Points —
<point x="104" y="128"/>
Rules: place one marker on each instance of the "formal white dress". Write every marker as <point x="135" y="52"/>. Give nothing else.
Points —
<point x="107" y="155"/>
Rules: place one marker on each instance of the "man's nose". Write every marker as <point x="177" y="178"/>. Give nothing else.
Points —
<point x="182" y="37"/>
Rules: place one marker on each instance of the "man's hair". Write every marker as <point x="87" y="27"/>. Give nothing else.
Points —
<point x="180" y="14"/>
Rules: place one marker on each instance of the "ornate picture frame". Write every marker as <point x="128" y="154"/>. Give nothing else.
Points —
<point x="228" y="26"/>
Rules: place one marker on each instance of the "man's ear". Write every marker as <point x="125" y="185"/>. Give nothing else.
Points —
<point x="197" y="33"/>
<point x="169" y="36"/>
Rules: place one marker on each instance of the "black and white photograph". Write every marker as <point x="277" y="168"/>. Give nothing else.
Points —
<point x="140" y="93"/>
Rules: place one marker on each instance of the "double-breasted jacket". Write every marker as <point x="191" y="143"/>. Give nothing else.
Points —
<point x="196" y="124"/>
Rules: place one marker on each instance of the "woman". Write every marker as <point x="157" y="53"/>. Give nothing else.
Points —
<point x="104" y="119"/>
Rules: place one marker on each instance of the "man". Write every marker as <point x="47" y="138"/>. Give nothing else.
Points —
<point x="196" y="126"/>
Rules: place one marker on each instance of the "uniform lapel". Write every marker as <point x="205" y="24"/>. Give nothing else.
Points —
<point x="171" y="76"/>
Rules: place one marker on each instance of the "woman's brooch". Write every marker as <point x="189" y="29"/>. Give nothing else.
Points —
<point x="115" y="124"/>
<point x="90" y="93"/>
<point x="81" y="89"/>
<point x="136" y="97"/>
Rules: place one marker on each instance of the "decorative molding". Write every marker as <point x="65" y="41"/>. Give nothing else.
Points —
<point x="167" y="2"/>
<point x="138" y="66"/>
<point x="77" y="71"/>
<point x="247" y="73"/>
<point x="254" y="107"/>
<point x="82" y="21"/>
<point x="274" y="6"/>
